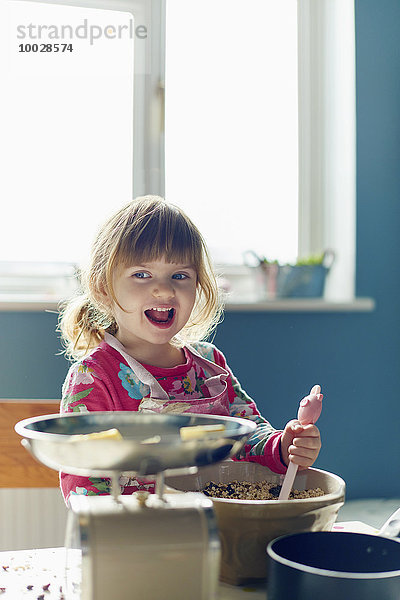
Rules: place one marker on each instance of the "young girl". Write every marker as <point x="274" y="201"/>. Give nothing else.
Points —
<point x="149" y="297"/>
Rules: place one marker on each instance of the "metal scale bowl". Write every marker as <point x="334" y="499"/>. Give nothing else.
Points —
<point x="164" y="545"/>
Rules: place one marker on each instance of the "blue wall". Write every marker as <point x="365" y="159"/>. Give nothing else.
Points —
<point x="277" y="357"/>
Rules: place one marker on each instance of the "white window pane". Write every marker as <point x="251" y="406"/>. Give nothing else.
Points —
<point x="231" y="122"/>
<point x="66" y="129"/>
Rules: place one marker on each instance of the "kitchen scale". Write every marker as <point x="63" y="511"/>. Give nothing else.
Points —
<point x="161" y="546"/>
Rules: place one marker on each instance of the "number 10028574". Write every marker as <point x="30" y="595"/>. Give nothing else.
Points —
<point x="45" y="48"/>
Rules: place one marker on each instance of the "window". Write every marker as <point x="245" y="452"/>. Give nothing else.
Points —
<point x="239" y="77"/>
<point x="84" y="128"/>
<point x="231" y="123"/>
<point x="77" y="121"/>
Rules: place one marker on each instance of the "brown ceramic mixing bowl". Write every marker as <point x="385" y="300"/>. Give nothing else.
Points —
<point x="247" y="526"/>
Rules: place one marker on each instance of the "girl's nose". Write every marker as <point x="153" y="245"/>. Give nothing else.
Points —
<point x="163" y="290"/>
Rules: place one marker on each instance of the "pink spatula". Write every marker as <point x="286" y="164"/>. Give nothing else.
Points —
<point x="308" y="413"/>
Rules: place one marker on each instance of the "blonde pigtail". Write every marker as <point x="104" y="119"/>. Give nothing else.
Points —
<point x="82" y="326"/>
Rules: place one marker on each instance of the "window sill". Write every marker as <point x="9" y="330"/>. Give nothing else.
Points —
<point x="303" y="305"/>
<point x="24" y="303"/>
<point x="28" y="303"/>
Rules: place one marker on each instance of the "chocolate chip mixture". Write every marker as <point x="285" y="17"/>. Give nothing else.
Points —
<point x="258" y="490"/>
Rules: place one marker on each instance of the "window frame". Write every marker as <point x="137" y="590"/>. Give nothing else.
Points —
<point x="326" y="218"/>
<point x="327" y="138"/>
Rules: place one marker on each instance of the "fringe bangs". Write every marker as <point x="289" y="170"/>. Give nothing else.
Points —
<point x="158" y="234"/>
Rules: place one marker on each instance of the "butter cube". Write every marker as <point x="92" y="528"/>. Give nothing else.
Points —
<point x="197" y="432"/>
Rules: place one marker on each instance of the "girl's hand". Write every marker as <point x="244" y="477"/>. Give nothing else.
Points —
<point x="300" y="444"/>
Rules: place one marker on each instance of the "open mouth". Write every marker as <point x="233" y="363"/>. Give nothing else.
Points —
<point x="160" y="316"/>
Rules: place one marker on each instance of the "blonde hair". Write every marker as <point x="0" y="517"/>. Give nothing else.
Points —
<point x="145" y="230"/>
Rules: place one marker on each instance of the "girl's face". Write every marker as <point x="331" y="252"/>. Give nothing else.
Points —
<point x="158" y="297"/>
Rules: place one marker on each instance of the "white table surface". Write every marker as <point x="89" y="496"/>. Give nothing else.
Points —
<point x="37" y="568"/>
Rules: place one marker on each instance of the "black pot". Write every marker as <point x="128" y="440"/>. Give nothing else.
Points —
<point x="324" y="565"/>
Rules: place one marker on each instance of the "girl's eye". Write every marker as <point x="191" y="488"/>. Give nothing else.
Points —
<point x="179" y="276"/>
<point x="141" y="275"/>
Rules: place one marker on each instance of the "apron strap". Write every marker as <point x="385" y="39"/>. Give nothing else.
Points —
<point x="139" y="370"/>
<point x="218" y="370"/>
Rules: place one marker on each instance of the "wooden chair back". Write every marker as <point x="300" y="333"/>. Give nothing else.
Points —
<point x="18" y="469"/>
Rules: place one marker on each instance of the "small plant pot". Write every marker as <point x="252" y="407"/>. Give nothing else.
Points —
<point x="303" y="281"/>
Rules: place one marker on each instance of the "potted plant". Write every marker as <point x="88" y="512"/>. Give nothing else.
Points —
<point x="304" y="279"/>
